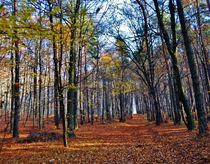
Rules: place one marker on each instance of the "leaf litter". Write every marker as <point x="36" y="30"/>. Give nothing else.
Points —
<point x="135" y="141"/>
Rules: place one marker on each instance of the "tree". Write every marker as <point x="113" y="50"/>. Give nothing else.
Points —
<point x="72" y="89"/>
<point x="55" y="59"/>
<point x="123" y="53"/>
<point x="58" y="87"/>
<point x="143" y="55"/>
<point x="171" y="46"/>
<point x="203" y="125"/>
<point x="17" y="76"/>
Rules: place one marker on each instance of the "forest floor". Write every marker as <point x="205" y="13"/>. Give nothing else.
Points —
<point x="136" y="141"/>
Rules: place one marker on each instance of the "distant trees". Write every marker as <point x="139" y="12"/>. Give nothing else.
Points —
<point x="123" y="55"/>
<point x="82" y="59"/>
<point x="171" y="39"/>
<point x="142" y="53"/>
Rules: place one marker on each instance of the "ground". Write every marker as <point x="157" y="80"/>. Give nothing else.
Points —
<point x="136" y="141"/>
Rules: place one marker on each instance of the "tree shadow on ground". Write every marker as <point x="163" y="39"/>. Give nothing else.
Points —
<point x="43" y="136"/>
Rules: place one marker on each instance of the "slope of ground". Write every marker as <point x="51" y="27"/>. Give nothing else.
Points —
<point x="135" y="141"/>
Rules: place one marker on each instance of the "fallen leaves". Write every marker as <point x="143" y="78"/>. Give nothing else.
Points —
<point x="135" y="141"/>
<point x="43" y="136"/>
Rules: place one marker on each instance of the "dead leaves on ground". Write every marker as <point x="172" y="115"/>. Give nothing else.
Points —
<point x="132" y="142"/>
<point x="43" y="136"/>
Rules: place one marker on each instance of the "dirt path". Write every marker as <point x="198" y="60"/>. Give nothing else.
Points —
<point x="135" y="141"/>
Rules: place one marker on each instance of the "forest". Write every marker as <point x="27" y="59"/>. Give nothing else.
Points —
<point x="104" y="81"/>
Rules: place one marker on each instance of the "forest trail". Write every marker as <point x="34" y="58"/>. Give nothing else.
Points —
<point x="135" y="141"/>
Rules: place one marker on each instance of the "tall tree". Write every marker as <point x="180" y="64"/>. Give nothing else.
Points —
<point x="60" y="86"/>
<point x="72" y="90"/>
<point x="17" y="76"/>
<point x="171" y="46"/>
<point x="203" y="125"/>
<point x="55" y="60"/>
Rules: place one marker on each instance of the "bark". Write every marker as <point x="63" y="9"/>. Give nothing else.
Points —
<point x="60" y="86"/>
<point x="72" y="89"/>
<point x="122" y="107"/>
<point x="40" y="87"/>
<point x="35" y="89"/>
<point x="205" y="63"/>
<point x="48" y="95"/>
<point x="17" y="81"/>
<point x="172" y="50"/>
<point x="87" y="90"/>
<point x="55" y="60"/>
<point x="203" y="125"/>
<point x="12" y="92"/>
<point x="151" y="69"/>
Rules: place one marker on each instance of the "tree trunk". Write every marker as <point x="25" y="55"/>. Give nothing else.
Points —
<point x="60" y="86"/>
<point x="12" y="92"/>
<point x="72" y="88"/>
<point x="172" y="50"/>
<point x="17" y="81"/>
<point x="55" y="60"/>
<point x="40" y="87"/>
<point x="203" y="125"/>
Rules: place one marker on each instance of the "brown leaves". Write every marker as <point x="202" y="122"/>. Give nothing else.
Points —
<point x="134" y="141"/>
<point x="41" y="137"/>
